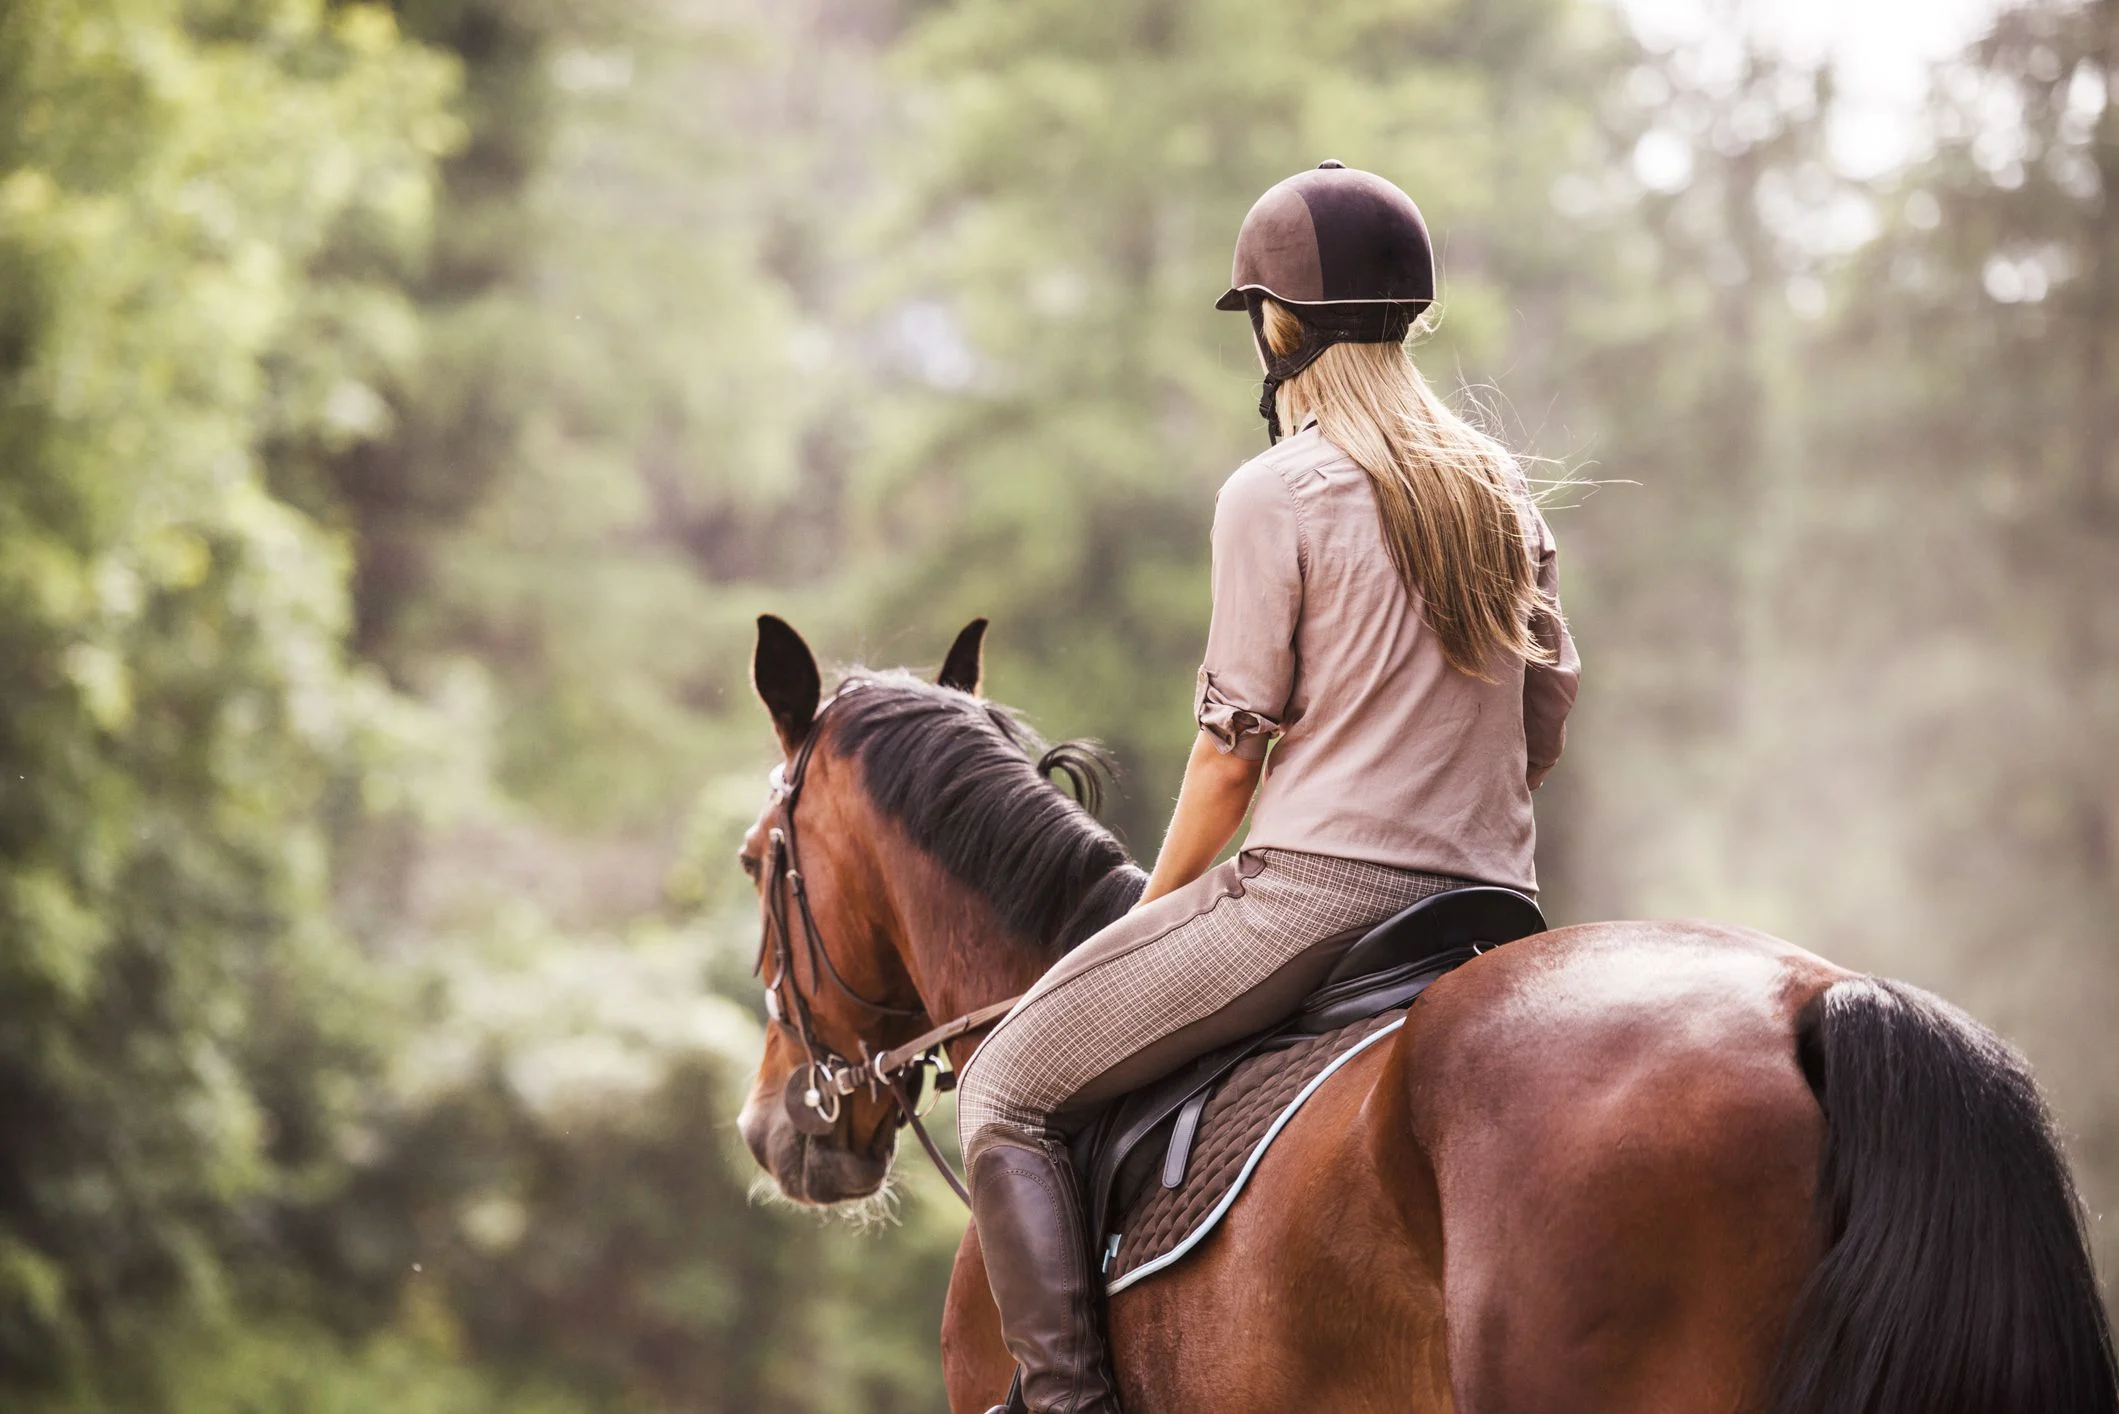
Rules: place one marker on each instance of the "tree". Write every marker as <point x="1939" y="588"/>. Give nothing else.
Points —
<point x="178" y="708"/>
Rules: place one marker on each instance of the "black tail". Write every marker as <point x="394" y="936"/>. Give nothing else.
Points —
<point x="1959" y="1279"/>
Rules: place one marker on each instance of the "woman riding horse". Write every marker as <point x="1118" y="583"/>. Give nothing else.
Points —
<point x="1386" y="621"/>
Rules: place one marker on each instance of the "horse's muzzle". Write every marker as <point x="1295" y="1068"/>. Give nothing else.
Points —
<point x="808" y="1168"/>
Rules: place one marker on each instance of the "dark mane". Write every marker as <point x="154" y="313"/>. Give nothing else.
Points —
<point x="972" y="786"/>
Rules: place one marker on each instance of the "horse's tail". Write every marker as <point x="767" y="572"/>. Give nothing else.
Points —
<point x="1958" y="1278"/>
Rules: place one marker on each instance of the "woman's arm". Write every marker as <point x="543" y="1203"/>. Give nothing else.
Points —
<point x="1247" y="675"/>
<point x="1217" y="791"/>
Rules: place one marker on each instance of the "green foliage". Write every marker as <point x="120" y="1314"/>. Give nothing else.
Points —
<point x="178" y="709"/>
<point x="565" y="1188"/>
<point x="404" y="413"/>
<point x="254" y="418"/>
<point x="282" y="1368"/>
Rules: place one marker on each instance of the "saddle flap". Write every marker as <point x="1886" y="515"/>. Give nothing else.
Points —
<point x="1121" y="1130"/>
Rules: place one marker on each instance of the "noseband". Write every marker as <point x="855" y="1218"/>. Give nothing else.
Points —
<point x="815" y="1088"/>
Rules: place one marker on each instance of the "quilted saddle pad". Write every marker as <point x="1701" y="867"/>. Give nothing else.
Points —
<point x="1241" y="1120"/>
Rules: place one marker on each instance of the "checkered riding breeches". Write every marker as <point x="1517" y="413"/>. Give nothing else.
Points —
<point x="1228" y="955"/>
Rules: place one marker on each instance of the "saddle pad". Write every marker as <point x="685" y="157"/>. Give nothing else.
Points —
<point x="1241" y="1120"/>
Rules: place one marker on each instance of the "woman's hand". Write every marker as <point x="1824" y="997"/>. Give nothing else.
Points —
<point x="1217" y="791"/>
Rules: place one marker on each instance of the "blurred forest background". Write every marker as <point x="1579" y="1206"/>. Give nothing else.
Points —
<point x="404" y="411"/>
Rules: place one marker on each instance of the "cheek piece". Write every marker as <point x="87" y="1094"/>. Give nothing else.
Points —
<point x="1322" y="326"/>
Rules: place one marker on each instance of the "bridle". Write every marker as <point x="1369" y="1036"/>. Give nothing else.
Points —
<point x="815" y="1087"/>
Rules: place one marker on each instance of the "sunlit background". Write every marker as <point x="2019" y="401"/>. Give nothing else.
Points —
<point x="405" y="411"/>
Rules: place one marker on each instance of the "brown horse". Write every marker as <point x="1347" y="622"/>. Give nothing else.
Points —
<point x="1622" y="1166"/>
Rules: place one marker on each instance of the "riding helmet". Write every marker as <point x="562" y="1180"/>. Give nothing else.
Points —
<point x="1346" y="251"/>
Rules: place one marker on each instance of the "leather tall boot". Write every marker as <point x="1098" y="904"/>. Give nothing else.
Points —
<point x="1024" y="1200"/>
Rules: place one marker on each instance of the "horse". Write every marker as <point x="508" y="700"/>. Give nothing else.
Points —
<point x="1635" y="1166"/>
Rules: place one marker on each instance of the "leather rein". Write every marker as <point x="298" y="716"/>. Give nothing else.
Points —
<point x="815" y="1088"/>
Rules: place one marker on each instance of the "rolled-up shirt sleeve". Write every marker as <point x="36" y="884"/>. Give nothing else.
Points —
<point x="1249" y="671"/>
<point x="1548" y="688"/>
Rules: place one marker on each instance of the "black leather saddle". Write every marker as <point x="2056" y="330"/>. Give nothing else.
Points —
<point x="1149" y="1133"/>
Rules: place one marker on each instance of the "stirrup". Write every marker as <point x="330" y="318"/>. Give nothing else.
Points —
<point x="1013" y="1404"/>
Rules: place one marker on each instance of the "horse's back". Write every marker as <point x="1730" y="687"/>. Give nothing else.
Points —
<point x="1625" y="1151"/>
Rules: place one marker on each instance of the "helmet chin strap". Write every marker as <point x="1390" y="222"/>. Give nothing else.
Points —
<point x="1280" y="368"/>
<point x="1322" y="327"/>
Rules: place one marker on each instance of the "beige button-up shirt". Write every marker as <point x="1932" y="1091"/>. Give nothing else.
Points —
<point x="1380" y="750"/>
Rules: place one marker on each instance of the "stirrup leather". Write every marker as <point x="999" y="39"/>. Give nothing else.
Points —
<point x="1013" y="1404"/>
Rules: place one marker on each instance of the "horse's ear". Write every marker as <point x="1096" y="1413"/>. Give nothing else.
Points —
<point x="784" y="672"/>
<point x="966" y="663"/>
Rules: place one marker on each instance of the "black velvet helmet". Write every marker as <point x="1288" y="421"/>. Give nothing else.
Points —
<point x="1346" y="251"/>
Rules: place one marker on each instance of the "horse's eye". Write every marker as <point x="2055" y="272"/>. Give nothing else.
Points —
<point x="751" y="865"/>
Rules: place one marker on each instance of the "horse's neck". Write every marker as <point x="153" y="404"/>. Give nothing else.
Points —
<point x="959" y="955"/>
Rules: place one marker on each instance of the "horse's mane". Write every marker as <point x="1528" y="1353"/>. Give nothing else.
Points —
<point x="972" y="785"/>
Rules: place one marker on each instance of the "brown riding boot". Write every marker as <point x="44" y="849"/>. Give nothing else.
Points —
<point x="1024" y="1201"/>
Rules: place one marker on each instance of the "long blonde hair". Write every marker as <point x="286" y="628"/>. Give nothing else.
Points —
<point x="1449" y="496"/>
